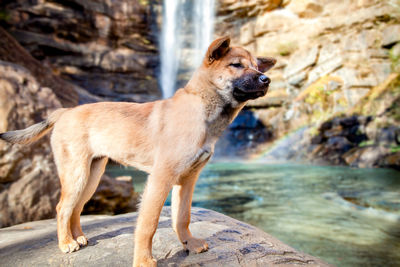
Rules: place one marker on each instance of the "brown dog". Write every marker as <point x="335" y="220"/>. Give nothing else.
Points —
<point x="171" y="139"/>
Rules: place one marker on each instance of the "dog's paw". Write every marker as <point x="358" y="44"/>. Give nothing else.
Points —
<point x="82" y="240"/>
<point x="145" y="262"/>
<point x="195" y="245"/>
<point x="69" y="247"/>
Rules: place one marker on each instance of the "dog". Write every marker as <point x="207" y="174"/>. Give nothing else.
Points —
<point x="171" y="139"/>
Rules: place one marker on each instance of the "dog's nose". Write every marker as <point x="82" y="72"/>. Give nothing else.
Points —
<point x="264" y="79"/>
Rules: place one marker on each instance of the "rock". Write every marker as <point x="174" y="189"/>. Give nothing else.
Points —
<point x="354" y="95"/>
<point x="11" y="51"/>
<point x="391" y="35"/>
<point x="29" y="185"/>
<point x="391" y="161"/>
<point x="298" y="79"/>
<point x="110" y="46"/>
<point x="324" y="69"/>
<point x="273" y="22"/>
<point x="301" y="60"/>
<point x="353" y="78"/>
<point x="362" y="3"/>
<point x="365" y="157"/>
<point x="305" y="8"/>
<point x="273" y="99"/>
<point x="335" y="59"/>
<point x="247" y="33"/>
<point x="243" y="136"/>
<point x="113" y="196"/>
<point x="231" y="242"/>
<point x="229" y="8"/>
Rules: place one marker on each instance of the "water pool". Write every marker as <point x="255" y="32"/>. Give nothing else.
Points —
<point x="345" y="216"/>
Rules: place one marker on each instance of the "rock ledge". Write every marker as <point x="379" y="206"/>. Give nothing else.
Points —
<point x="232" y="243"/>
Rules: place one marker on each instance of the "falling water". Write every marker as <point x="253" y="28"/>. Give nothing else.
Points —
<point x="187" y="26"/>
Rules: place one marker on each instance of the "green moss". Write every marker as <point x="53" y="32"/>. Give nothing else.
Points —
<point x="314" y="131"/>
<point x="366" y="143"/>
<point x="395" y="59"/>
<point x="285" y="49"/>
<point x="144" y="2"/>
<point x="4" y="15"/>
<point x="395" y="149"/>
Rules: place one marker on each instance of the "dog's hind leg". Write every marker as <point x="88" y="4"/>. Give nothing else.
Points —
<point x="97" y="168"/>
<point x="181" y="205"/>
<point x="74" y="173"/>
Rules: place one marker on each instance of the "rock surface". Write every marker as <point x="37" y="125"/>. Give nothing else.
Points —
<point x="366" y="136"/>
<point x="330" y="56"/>
<point x="12" y="51"/>
<point x="29" y="186"/>
<point x="106" y="47"/>
<point x="232" y="243"/>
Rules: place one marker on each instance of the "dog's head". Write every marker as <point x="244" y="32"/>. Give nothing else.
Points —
<point x="237" y="75"/>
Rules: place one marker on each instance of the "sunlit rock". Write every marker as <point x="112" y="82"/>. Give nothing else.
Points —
<point x="231" y="242"/>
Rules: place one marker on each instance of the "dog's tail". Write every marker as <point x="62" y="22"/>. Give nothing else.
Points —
<point x="34" y="132"/>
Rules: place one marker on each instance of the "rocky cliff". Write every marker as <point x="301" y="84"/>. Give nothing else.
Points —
<point x="106" y="48"/>
<point x="332" y="56"/>
<point x="29" y="186"/>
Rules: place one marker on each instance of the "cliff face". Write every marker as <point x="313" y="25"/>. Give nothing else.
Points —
<point x="106" y="48"/>
<point x="29" y="186"/>
<point x="331" y="56"/>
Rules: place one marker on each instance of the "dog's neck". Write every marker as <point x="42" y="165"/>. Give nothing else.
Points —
<point x="219" y="111"/>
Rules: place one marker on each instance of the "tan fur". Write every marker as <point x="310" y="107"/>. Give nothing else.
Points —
<point x="171" y="139"/>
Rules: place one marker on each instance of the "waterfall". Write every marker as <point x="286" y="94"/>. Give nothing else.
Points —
<point x="186" y="32"/>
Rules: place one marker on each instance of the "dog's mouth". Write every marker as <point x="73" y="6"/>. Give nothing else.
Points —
<point x="244" y="95"/>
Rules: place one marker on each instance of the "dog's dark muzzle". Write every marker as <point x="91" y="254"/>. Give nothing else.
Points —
<point x="250" y="87"/>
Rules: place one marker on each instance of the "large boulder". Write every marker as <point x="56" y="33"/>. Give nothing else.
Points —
<point x="231" y="242"/>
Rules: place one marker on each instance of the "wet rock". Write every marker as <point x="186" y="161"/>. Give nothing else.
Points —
<point x="387" y="136"/>
<point x="365" y="157"/>
<point x="391" y="161"/>
<point x="243" y="136"/>
<point x="231" y="242"/>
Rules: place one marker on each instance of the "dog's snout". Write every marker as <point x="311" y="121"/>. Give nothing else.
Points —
<point x="264" y="79"/>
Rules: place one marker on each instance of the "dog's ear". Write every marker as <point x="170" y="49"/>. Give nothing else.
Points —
<point x="265" y="63"/>
<point x="217" y="49"/>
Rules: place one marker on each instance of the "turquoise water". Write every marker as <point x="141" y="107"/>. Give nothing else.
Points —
<point x="347" y="217"/>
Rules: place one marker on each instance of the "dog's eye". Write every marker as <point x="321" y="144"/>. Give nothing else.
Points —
<point x="236" y="65"/>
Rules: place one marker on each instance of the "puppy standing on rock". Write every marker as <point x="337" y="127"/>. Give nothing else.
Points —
<point x="171" y="139"/>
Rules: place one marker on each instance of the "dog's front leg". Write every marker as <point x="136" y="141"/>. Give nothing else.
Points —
<point x="181" y="205"/>
<point x="157" y="188"/>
